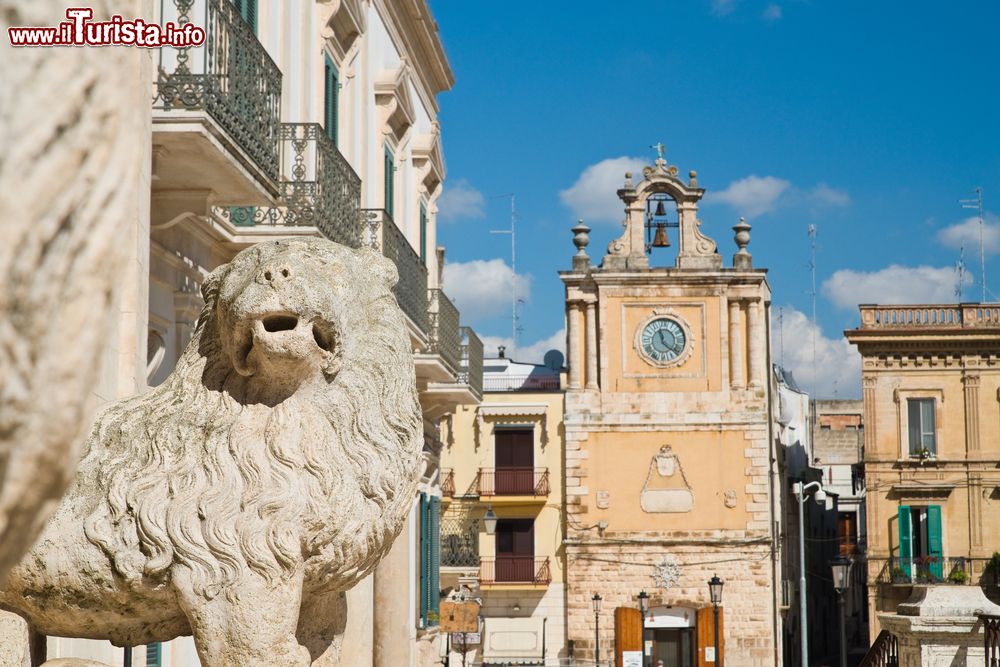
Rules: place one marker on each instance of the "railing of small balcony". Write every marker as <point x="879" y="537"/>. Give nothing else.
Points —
<point x="884" y="652"/>
<point x="930" y="316"/>
<point x="231" y="77"/>
<point x="991" y="639"/>
<point x="382" y="234"/>
<point x="513" y="481"/>
<point x="445" y="336"/>
<point x="448" y="483"/>
<point x="318" y="188"/>
<point x="459" y="542"/>
<point x="514" y="570"/>
<point x="471" y="364"/>
<point x="936" y="570"/>
<point x="521" y="383"/>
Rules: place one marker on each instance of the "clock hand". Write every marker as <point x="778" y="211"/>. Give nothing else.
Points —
<point x="662" y="334"/>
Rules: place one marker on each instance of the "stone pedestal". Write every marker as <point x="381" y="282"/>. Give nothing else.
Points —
<point x="939" y="626"/>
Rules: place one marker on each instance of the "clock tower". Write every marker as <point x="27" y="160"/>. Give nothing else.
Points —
<point x="670" y="472"/>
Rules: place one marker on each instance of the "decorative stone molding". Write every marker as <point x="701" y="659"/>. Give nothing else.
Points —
<point x="343" y="22"/>
<point x="392" y="95"/>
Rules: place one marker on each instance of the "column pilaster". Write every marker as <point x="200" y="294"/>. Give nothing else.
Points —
<point x="591" y="345"/>
<point x="573" y="353"/>
<point x="736" y="376"/>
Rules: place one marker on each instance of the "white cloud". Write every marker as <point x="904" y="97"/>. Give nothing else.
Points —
<point x="482" y="287"/>
<point x="837" y="368"/>
<point x="824" y="195"/>
<point x="533" y="353"/>
<point x="723" y="7"/>
<point x="772" y="12"/>
<point x="751" y="196"/>
<point x="966" y="233"/>
<point x="593" y="196"/>
<point x="894" y="284"/>
<point x="460" y="200"/>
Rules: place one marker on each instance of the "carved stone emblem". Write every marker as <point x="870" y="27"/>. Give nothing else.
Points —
<point x="666" y="488"/>
<point x="603" y="500"/>
<point x="729" y="498"/>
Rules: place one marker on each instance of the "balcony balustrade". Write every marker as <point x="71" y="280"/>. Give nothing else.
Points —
<point x="513" y="482"/>
<point x="444" y="336"/>
<point x="448" y="483"/>
<point x="933" y="316"/>
<point x="514" y="570"/>
<point x="938" y="570"/>
<point x="471" y="364"/>
<point x="318" y="188"/>
<point x="230" y="77"/>
<point x="382" y="234"/>
<point x="521" y="383"/>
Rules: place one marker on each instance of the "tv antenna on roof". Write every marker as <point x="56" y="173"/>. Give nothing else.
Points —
<point x="812" y="271"/>
<point x="977" y="203"/>
<point x="960" y="271"/>
<point x="514" y="329"/>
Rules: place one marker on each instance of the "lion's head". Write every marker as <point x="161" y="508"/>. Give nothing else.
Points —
<point x="289" y="430"/>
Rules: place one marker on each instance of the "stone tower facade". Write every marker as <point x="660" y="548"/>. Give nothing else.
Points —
<point x="669" y="468"/>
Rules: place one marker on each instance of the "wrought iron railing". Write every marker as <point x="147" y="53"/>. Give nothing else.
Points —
<point x="514" y="570"/>
<point x="991" y="639"/>
<point x="448" y="483"/>
<point x="521" y="383"/>
<point x="884" y="652"/>
<point x="318" y="188"/>
<point x="382" y="234"/>
<point x="936" y="570"/>
<point x="231" y="77"/>
<point x="513" y="481"/>
<point x="459" y="542"/>
<point x="444" y="336"/>
<point x="471" y="364"/>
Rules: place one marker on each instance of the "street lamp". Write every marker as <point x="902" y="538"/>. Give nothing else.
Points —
<point x="490" y="521"/>
<point x="841" y="568"/>
<point x="715" y="592"/>
<point x="597" y="628"/>
<point x="643" y="601"/>
<point x="820" y="496"/>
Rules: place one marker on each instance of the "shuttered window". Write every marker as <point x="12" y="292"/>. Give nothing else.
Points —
<point x="331" y="99"/>
<point x="390" y="182"/>
<point x="921" y="549"/>
<point x="430" y="560"/>
<point x="154" y="655"/>
<point x="248" y="10"/>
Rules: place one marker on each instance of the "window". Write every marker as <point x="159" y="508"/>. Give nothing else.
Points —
<point x="515" y="550"/>
<point x="331" y="99"/>
<point x="920" y="424"/>
<point x="390" y="182"/>
<point x="423" y="234"/>
<point x="515" y="460"/>
<point x="920" y="548"/>
<point x="430" y="559"/>
<point x="248" y="10"/>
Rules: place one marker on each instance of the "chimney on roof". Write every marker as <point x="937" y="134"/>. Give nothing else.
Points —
<point x="501" y="351"/>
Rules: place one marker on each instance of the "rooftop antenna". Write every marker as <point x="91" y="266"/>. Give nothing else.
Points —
<point x="960" y="271"/>
<point x="977" y="203"/>
<point x="781" y="336"/>
<point x="812" y="270"/>
<point x="513" y="269"/>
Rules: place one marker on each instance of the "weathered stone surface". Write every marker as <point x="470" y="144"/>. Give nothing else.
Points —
<point x="68" y="167"/>
<point x="269" y="473"/>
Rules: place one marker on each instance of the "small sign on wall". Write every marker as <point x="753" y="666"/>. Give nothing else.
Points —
<point x="631" y="658"/>
<point x="709" y="654"/>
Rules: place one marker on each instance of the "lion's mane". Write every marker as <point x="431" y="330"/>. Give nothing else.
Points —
<point x="193" y="475"/>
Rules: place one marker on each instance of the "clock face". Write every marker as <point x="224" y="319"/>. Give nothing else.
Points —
<point x="663" y="340"/>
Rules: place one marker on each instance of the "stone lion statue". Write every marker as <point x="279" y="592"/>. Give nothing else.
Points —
<point x="268" y="474"/>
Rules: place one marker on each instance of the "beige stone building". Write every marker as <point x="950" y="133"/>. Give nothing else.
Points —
<point x="670" y="470"/>
<point x="931" y="392"/>
<point x="314" y="118"/>
<point x="505" y="456"/>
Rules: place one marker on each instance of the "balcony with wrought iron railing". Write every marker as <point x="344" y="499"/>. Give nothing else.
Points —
<point x="459" y="542"/>
<point x="938" y="570"/>
<point x="382" y="234"/>
<point x="931" y="316"/>
<point x="319" y="190"/>
<point x="225" y="92"/>
<point x="536" y="382"/>
<point x="514" y="570"/>
<point x="444" y="334"/>
<point x="448" y="482"/>
<point x="471" y="362"/>
<point x="513" y="481"/>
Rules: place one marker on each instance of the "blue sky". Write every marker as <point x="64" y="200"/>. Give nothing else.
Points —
<point x="868" y="120"/>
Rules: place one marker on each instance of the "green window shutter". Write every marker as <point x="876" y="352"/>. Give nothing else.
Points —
<point x="905" y="540"/>
<point x="423" y="234"/>
<point x="424" y="583"/>
<point x="331" y="99"/>
<point x="248" y="10"/>
<point x="390" y="185"/>
<point x="934" y="545"/>
<point x="434" y="601"/>
<point x="154" y="656"/>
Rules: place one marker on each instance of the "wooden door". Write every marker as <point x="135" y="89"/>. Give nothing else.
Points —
<point x="706" y="636"/>
<point x="628" y="632"/>
<point x="515" y="540"/>
<point x="515" y="461"/>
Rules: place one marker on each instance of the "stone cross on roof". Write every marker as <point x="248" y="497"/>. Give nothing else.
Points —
<point x="660" y="149"/>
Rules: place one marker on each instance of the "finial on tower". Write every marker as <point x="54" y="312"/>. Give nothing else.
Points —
<point x="581" y="239"/>
<point x="660" y="149"/>
<point x="742" y="259"/>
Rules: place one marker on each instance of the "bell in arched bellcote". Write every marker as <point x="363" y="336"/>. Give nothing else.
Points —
<point x="660" y="239"/>
<point x="660" y="211"/>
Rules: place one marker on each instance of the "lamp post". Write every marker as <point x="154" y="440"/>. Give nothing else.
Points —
<point x="597" y="628"/>
<point x="643" y="601"/>
<point x="820" y="495"/>
<point x="841" y="568"/>
<point x="715" y="592"/>
<point x="490" y="521"/>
